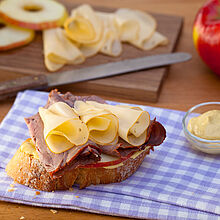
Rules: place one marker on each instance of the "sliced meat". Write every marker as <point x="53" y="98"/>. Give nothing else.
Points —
<point x="156" y="135"/>
<point x="56" y="163"/>
<point x="70" y="98"/>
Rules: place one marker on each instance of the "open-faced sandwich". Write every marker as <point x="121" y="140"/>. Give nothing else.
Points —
<point x="84" y="141"/>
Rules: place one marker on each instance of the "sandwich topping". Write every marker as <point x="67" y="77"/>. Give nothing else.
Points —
<point x="102" y="124"/>
<point x="156" y="134"/>
<point x="70" y="159"/>
<point x="72" y="131"/>
<point x="62" y="127"/>
<point x="133" y="123"/>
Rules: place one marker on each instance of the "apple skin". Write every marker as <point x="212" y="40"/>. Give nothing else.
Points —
<point x="206" y="34"/>
<point x="112" y="163"/>
<point x="106" y="164"/>
<point x="15" y="45"/>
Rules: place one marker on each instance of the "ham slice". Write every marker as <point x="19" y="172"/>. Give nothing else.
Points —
<point x="156" y="135"/>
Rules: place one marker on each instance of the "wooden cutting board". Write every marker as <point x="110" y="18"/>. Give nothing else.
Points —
<point x="141" y="86"/>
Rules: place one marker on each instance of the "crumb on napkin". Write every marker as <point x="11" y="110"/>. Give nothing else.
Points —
<point x="11" y="190"/>
<point x="37" y="193"/>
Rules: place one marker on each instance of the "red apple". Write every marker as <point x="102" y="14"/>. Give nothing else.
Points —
<point x="206" y="34"/>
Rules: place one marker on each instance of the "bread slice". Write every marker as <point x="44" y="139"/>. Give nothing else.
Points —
<point x="27" y="170"/>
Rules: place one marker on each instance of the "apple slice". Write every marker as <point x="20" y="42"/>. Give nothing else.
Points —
<point x="109" y="162"/>
<point x="12" y="37"/>
<point x="33" y="14"/>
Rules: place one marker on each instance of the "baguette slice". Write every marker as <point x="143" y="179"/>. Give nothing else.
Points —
<point x="27" y="170"/>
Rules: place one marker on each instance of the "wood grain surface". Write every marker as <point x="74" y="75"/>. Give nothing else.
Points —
<point x="186" y="84"/>
<point x="143" y="86"/>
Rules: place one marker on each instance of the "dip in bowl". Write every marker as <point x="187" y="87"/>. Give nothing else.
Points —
<point x="201" y="127"/>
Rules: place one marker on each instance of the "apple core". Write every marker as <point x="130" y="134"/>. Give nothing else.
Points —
<point x="32" y="8"/>
<point x="2" y="25"/>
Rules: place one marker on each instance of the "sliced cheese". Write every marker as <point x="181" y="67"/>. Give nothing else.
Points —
<point x="83" y="26"/>
<point x="51" y="66"/>
<point x="59" y="49"/>
<point x="114" y="166"/>
<point x="62" y="127"/>
<point x="29" y="148"/>
<point x="131" y="107"/>
<point x="112" y="44"/>
<point x="109" y="43"/>
<point x="102" y="124"/>
<point x="156" y="40"/>
<point x="128" y="28"/>
<point x="89" y="50"/>
<point x="147" y="26"/>
<point x="133" y="123"/>
<point x="137" y="153"/>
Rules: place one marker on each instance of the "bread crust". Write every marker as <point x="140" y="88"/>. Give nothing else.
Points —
<point x="27" y="170"/>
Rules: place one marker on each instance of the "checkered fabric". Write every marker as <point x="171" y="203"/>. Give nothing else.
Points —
<point x="173" y="182"/>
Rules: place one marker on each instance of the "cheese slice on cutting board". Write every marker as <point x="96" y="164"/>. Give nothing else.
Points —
<point x="84" y="26"/>
<point x="128" y="28"/>
<point x="145" y="22"/>
<point x="144" y="36"/>
<point x="112" y="44"/>
<point x="109" y="43"/>
<point x="133" y="123"/>
<point x="89" y="50"/>
<point x="62" y="127"/>
<point x="51" y="66"/>
<point x="156" y="40"/>
<point x="102" y="124"/>
<point x="58" y="49"/>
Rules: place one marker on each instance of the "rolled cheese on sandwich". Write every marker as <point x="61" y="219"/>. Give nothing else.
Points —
<point x="133" y="123"/>
<point x="102" y="124"/>
<point x="84" y="26"/>
<point x="62" y="127"/>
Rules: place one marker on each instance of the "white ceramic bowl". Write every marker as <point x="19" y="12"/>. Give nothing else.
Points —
<point x="207" y="146"/>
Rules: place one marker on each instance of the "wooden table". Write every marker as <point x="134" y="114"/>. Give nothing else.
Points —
<point x="187" y="84"/>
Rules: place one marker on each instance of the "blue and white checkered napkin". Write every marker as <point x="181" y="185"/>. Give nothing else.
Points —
<point x="174" y="181"/>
